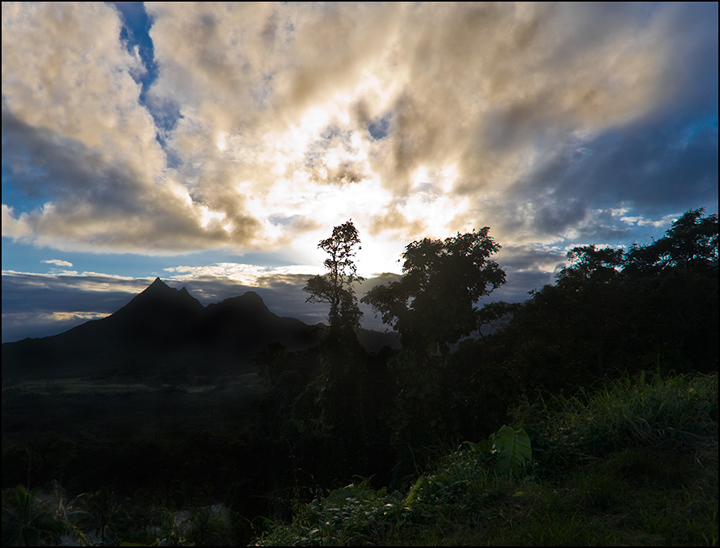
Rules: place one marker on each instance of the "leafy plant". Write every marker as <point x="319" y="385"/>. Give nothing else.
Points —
<point x="27" y="520"/>
<point x="512" y="448"/>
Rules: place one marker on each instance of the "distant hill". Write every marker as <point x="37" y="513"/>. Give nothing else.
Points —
<point x="165" y="331"/>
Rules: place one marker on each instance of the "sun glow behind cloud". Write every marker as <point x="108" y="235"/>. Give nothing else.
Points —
<point x="222" y="141"/>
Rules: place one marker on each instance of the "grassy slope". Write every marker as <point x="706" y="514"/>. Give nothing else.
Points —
<point x="635" y="463"/>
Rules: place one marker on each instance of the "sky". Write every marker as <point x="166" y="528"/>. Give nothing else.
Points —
<point x="214" y="145"/>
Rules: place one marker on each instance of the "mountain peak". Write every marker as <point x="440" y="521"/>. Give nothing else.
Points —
<point x="161" y="330"/>
<point x="252" y="297"/>
<point x="160" y="299"/>
<point x="158" y="286"/>
<point x="249" y="302"/>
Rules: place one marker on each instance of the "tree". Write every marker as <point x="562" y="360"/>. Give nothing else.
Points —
<point x="432" y="305"/>
<point x="590" y="264"/>
<point x="654" y="306"/>
<point x="690" y="244"/>
<point x="335" y="287"/>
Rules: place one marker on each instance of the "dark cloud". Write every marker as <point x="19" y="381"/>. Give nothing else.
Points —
<point x="39" y="162"/>
<point x="43" y="293"/>
<point x="654" y="169"/>
<point x="38" y="306"/>
<point x="518" y="286"/>
<point x="526" y="267"/>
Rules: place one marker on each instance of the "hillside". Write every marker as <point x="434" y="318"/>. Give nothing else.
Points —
<point x="164" y="331"/>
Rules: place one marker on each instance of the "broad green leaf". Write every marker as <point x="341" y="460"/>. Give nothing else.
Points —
<point x="512" y="447"/>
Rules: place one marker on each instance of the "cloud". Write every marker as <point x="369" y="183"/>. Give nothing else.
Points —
<point x="487" y="82"/>
<point x="57" y="262"/>
<point x="76" y="136"/>
<point x="21" y="325"/>
<point x="656" y="170"/>
<point x="263" y="125"/>
<point x="39" y="305"/>
<point x="245" y="274"/>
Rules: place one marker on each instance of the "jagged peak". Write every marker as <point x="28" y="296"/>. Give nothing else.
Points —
<point x="159" y="292"/>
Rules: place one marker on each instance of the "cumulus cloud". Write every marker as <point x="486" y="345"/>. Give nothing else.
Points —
<point x="267" y="124"/>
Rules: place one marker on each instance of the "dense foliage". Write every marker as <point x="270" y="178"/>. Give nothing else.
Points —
<point x="433" y="304"/>
<point x="586" y="372"/>
<point x="654" y="306"/>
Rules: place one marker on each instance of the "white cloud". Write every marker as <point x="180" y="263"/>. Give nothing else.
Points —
<point x="245" y="274"/>
<point x="57" y="262"/>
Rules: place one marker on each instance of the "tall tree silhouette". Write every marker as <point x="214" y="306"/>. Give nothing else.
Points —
<point x="335" y="287"/>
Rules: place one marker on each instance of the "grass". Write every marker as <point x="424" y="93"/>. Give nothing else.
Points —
<point x="634" y="463"/>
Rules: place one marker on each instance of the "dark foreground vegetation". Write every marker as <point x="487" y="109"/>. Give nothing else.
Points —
<point x="633" y="464"/>
<point x="596" y="400"/>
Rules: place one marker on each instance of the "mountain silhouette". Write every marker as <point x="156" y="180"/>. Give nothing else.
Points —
<point x="164" y="331"/>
